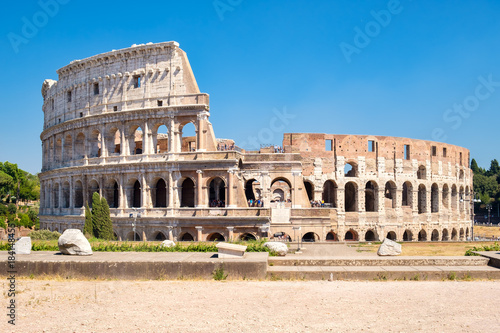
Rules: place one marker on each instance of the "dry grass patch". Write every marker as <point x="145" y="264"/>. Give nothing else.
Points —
<point x="490" y="232"/>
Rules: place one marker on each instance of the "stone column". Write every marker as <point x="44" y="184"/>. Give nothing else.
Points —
<point x="199" y="188"/>
<point x="199" y="234"/>
<point x="146" y="137"/>
<point x="170" y="188"/>
<point x="104" y="151"/>
<point x="121" y="201"/>
<point x="340" y="199"/>
<point x="60" y="196"/>
<point x="171" y="133"/>
<point x="144" y="192"/>
<point x="230" y="191"/>
<point x="71" y="194"/>
<point x="201" y="140"/>
<point x="295" y="180"/>
<point x="63" y="140"/>
<point x="231" y="233"/>
<point x="170" y="233"/>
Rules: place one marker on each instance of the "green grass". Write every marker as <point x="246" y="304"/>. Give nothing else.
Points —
<point x="493" y="247"/>
<point x="118" y="246"/>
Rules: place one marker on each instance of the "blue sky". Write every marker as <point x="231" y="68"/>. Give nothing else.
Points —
<point x="419" y="69"/>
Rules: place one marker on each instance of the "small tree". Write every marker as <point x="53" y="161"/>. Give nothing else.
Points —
<point x="97" y="220"/>
<point x="106" y="231"/>
<point x="87" y="227"/>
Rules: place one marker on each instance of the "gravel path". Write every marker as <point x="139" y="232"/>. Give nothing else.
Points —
<point x="254" y="306"/>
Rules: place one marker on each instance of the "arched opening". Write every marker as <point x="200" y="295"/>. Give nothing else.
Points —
<point x="68" y="148"/>
<point x="462" y="234"/>
<point x="113" y="142"/>
<point x="422" y="199"/>
<point x="131" y="236"/>
<point x="95" y="144"/>
<point x="371" y="196"/>
<point x="92" y="188"/>
<point x="281" y="189"/>
<point x="310" y="237"/>
<point x="187" y="194"/>
<point x="332" y="237"/>
<point x="446" y="196"/>
<point x="390" y="194"/>
<point x="350" y="169"/>
<point x="65" y="195"/>
<point x="434" y="198"/>
<point x="250" y="192"/>
<point x="422" y="172"/>
<point x="187" y="237"/>
<point x="422" y="236"/>
<point x="370" y="236"/>
<point x="454" y="197"/>
<point x="160" y="236"/>
<point x="115" y="236"/>
<point x="454" y="234"/>
<point x="351" y="196"/>
<point x="188" y="137"/>
<point x="161" y="193"/>
<point x="461" y="175"/>
<point x="58" y="154"/>
<point x="407" y="194"/>
<point x="80" y="146"/>
<point x="330" y="193"/>
<point x="217" y="193"/>
<point x="445" y="236"/>
<point x="116" y="196"/>
<point x="407" y="236"/>
<point x="136" y="195"/>
<point x="136" y="140"/>
<point x="56" y="195"/>
<point x="467" y="233"/>
<point x="461" y="197"/>
<point x="435" y="235"/>
<point x="160" y="140"/>
<point x="78" y="194"/>
<point x="247" y="237"/>
<point x="351" y="235"/>
<point x="391" y="235"/>
<point x="216" y="237"/>
<point x="309" y="190"/>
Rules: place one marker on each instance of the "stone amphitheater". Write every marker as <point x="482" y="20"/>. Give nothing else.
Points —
<point x="117" y="123"/>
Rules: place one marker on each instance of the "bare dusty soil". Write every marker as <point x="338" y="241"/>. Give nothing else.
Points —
<point x="253" y="306"/>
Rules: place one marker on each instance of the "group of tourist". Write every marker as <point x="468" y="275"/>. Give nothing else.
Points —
<point x="255" y="203"/>
<point x="217" y="203"/>
<point x="278" y="149"/>
<point x="225" y="146"/>
<point x="317" y="203"/>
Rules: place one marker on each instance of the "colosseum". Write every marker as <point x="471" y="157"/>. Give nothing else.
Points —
<point x="114" y="124"/>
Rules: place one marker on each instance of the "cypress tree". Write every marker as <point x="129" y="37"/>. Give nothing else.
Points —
<point x="107" y="225"/>
<point x="87" y="227"/>
<point x="96" y="214"/>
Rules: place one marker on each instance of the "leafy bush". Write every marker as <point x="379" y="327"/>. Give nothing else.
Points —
<point x="12" y="208"/>
<point x="3" y="210"/>
<point x="218" y="274"/>
<point x="494" y="247"/>
<point x="44" y="235"/>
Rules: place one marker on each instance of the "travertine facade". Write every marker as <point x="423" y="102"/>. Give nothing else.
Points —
<point x="114" y="124"/>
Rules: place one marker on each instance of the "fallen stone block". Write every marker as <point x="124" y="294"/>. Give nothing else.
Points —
<point x="23" y="245"/>
<point x="167" y="243"/>
<point x="226" y="250"/>
<point x="73" y="242"/>
<point x="280" y="248"/>
<point x="389" y="248"/>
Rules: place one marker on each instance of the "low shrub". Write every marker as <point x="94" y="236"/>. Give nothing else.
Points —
<point x="44" y="235"/>
<point x="494" y="247"/>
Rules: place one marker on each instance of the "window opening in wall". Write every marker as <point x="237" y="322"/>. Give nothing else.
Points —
<point x="96" y="88"/>
<point x="69" y="96"/>
<point x="52" y="102"/>
<point x="59" y="120"/>
<point x="407" y="152"/>
<point x="371" y="145"/>
<point x="137" y="81"/>
<point x="434" y="151"/>
<point x="460" y="158"/>
<point x="81" y="114"/>
<point x="328" y="145"/>
<point x="444" y="152"/>
<point x="115" y="108"/>
<point x="160" y="103"/>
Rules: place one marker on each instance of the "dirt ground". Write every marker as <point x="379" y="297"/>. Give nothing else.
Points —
<point x="254" y="306"/>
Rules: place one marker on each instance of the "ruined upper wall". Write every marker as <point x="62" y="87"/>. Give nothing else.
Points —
<point x="141" y="76"/>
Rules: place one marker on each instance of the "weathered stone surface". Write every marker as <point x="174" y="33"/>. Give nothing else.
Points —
<point x="73" y="242"/>
<point x="227" y="250"/>
<point x="168" y="243"/>
<point x="389" y="248"/>
<point x="23" y="245"/>
<point x="277" y="247"/>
